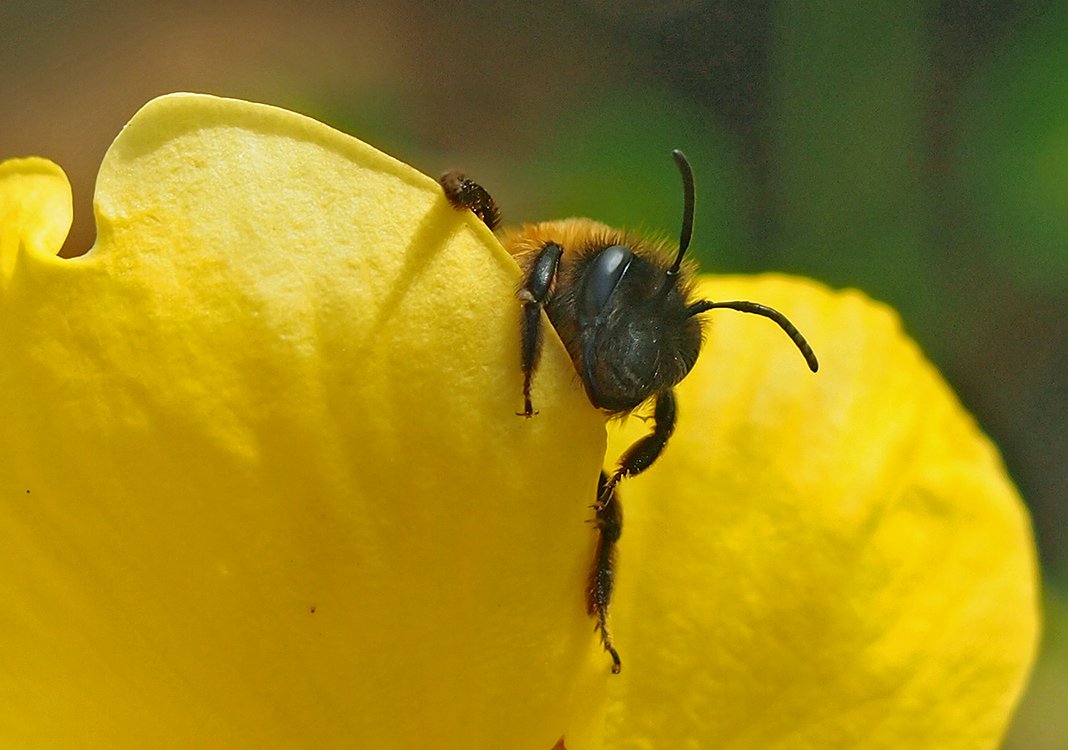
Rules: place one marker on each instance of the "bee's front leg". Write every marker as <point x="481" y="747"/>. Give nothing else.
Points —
<point x="609" y="523"/>
<point x="645" y="451"/>
<point x="537" y="286"/>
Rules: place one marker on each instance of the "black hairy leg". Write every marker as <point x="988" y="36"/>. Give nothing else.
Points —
<point x="646" y="450"/>
<point x="534" y="294"/>
<point x="462" y="193"/>
<point x="609" y="524"/>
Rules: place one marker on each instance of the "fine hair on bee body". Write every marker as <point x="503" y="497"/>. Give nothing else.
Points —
<point x="623" y="305"/>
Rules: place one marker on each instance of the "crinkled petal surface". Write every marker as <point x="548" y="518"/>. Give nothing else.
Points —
<point x="828" y="561"/>
<point x="261" y="482"/>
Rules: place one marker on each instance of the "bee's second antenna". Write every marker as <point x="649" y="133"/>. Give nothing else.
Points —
<point x="687" y="209"/>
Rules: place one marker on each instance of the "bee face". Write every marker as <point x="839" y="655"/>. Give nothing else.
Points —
<point x="624" y="321"/>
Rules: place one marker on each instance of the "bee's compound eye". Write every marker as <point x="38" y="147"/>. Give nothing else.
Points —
<point x="602" y="278"/>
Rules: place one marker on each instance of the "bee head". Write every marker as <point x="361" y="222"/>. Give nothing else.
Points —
<point x="636" y="335"/>
<point x="635" y="332"/>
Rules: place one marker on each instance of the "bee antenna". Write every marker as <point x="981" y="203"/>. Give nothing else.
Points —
<point x="768" y="312"/>
<point x="687" y="210"/>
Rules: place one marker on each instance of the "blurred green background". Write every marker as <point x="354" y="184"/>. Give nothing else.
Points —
<point x="916" y="150"/>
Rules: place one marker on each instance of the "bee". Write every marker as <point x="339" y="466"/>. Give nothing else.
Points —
<point x="624" y="307"/>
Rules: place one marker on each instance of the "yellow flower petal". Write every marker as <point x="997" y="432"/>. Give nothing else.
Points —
<point x="35" y="212"/>
<point x="828" y="561"/>
<point x="261" y="484"/>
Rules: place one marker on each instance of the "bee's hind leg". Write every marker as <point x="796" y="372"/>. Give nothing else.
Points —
<point x="466" y="193"/>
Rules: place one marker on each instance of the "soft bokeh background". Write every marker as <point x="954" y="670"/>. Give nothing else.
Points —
<point x="916" y="150"/>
